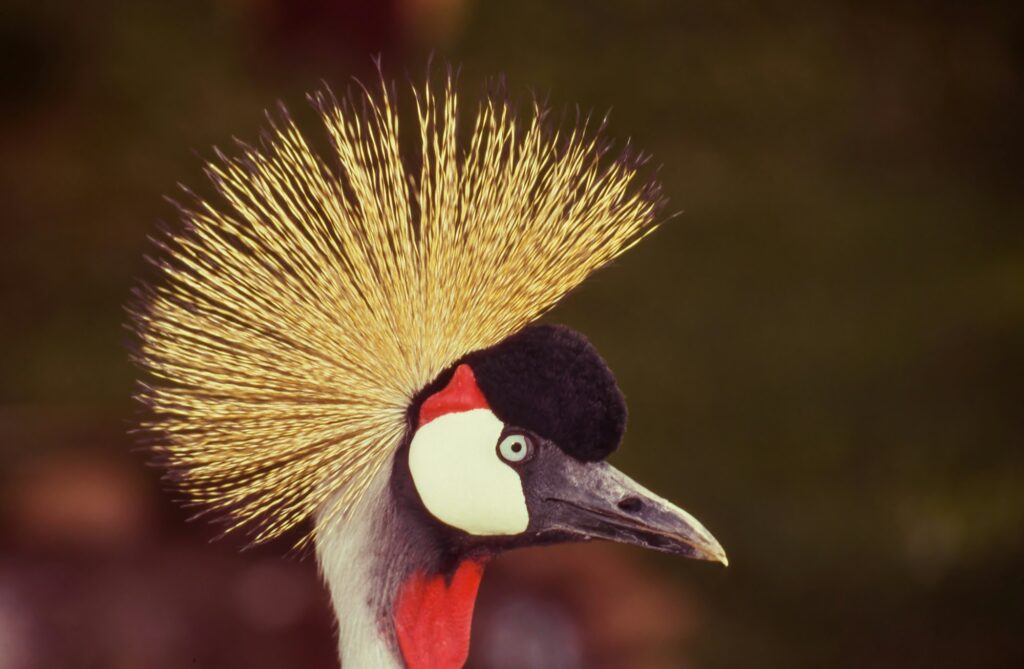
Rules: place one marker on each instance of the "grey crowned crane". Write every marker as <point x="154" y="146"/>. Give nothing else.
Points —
<point x="341" y="348"/>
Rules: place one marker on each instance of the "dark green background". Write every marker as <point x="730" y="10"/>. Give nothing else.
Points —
<point x="823" y="354"/>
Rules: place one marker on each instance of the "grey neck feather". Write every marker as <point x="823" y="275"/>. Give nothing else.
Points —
<point x="351" y="556"/>
<point x="365" y="557"/>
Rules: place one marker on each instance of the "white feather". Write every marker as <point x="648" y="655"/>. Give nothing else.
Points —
<point x="460" y="478"/>
<point x="348" y="556"/>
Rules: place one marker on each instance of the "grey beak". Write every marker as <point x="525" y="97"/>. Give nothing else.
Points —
<point x="596" y="501"/>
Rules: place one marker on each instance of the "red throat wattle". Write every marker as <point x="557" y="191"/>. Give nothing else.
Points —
<point x="433" y="617"/>
<point x="461" y="394"/>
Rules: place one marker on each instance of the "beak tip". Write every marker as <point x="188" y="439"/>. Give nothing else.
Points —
<point x="718" y="556"/>
<point x="712" y="551"/>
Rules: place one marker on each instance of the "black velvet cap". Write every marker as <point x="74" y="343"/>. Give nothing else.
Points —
<point x="550" y="380"/>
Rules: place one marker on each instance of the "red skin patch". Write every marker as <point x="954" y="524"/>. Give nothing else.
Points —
<point x="461" y="394"/>
<point x="433" y="617"/>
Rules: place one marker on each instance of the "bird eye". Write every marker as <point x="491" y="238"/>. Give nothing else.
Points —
<point x="514" y="448"/>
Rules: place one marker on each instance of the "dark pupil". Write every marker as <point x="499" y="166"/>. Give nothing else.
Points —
<point x="516" y="447"/>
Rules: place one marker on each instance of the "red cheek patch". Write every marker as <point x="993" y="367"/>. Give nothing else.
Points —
<point x="461" y="394"/>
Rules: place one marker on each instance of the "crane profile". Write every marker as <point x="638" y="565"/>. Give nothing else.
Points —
<point x="347" y="342"/>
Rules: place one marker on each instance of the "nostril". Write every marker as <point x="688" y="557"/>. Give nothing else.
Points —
<point x="631" y="504"/>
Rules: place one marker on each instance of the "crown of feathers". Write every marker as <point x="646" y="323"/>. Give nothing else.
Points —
<point x="297" y="313"/>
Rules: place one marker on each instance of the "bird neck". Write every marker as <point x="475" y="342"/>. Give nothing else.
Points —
<point x="401" y="600"/>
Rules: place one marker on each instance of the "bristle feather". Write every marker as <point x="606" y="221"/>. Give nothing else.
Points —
<point x="295" y="319"/>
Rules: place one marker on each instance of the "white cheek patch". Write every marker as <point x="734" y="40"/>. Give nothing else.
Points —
<point x="460" y="478"/>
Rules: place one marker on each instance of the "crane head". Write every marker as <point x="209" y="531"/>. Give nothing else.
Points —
<point x="508" y="447"/>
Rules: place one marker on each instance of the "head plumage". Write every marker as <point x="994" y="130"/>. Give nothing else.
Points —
<point x="298" y="312"/>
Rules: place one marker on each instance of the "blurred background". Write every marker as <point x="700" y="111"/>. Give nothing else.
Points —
<point x="823" y="354"/>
